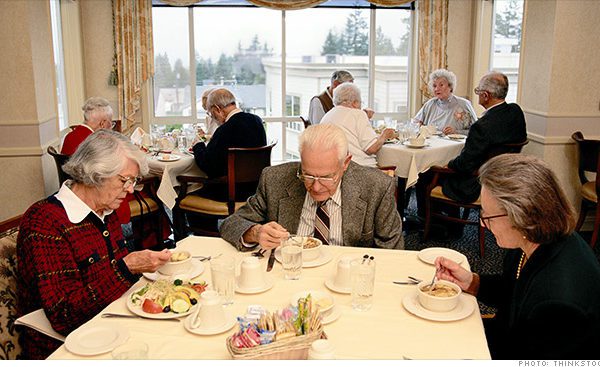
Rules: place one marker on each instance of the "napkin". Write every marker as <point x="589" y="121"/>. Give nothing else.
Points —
<point x="427" y="131"/>
<point x="139" y="136"/>
<point x="37" y="320"/>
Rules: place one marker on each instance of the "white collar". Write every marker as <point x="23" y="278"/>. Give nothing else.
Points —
<point x="233" y="112"/>
<point x="76" y="209"/>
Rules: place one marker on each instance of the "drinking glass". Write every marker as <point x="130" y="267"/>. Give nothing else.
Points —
<point x="291" y="257"/>
<point x="222" y="271"/>
<point x="131" y="349"/>
<point x="362" y="274"/>
<point x="182" y="142"/>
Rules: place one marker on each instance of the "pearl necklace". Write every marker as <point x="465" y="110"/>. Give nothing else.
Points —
<point x="521" y="263"/>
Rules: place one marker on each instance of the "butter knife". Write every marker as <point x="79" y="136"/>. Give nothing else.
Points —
<point x="106" y="315"/>
<point x="271" y="260"/>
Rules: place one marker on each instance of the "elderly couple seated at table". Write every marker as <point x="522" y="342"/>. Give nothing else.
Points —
<point x="501" y="123"/>
<point x="363" y="141"/>
<point x="236" y="129"/>
<point x="326" y="195"/>
<point x="450" y="114"/>
<point x="73" y="259"/>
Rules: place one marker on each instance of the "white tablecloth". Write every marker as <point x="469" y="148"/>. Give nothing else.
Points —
<point x="168" y="171"/>
<point x="410" y="162"/>
<point x="386" y="331"/>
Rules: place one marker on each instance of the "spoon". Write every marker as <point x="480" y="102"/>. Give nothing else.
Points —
<point x="433" y="279"/>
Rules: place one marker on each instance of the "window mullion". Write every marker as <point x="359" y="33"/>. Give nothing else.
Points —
<point x="372" y="50"/>
<point x="192" y="62"/>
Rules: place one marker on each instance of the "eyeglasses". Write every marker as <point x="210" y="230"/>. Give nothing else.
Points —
<point x="485" y="221"/>
<point x="479" y="91"/>
<point x="129" y="181"/>
<point x="310" y="180"/>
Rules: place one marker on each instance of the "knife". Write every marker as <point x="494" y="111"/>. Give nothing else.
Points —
<point x="271" y="260"/>
<point x="108" y="314"/>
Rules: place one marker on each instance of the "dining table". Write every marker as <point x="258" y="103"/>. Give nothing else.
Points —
<point x="410" y="160"/>
<point x="168" y="167"/>
<point x="386" y="331"/>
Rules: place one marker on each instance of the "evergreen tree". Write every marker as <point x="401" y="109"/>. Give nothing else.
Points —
<point x="402" y="49"/>
<point x="356" y="35"/>
<point x="224" y="68"/>
<point x="384" y="45"/>
<point x="182" y="75"/>
<point x="332" y="45"/>
<point x="163" y="76"/>
<point x="508" y="23"/>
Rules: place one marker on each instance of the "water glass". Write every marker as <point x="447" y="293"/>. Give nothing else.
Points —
<point x="182" y="142"/>
<point x="362" y="274"/>
<point x="222" y="271"/>
<point x="131" y="349"/>
<point x="291" y="256"/>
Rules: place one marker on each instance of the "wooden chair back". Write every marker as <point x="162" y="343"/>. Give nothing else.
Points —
<point x="60" y="160"/>
<point x="589" y="156"/>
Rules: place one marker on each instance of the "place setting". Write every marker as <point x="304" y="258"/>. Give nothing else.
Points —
<point x="210" y="317"/>
<point x="438" y="300"/>
<point x="340" y="282"/>
<point x="182" y="265"/>
<point x="416" y="143"/>
<point x="97" y="339"/>
<point x="252" y="278"/>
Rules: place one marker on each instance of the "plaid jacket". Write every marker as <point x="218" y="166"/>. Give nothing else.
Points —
<point x="72" y="271"/>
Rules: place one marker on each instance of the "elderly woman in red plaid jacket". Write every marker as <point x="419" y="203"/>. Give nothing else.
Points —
<point x="73" y="259"/>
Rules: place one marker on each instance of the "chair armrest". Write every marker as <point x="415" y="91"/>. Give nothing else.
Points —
<point x="438" y="172"/>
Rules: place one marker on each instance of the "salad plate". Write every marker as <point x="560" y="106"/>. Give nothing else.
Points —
<point x="157" y="294"/>
<point x="93" y="340"/>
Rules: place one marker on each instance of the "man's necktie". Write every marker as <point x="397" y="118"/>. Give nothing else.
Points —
<point x="322" y="223"/>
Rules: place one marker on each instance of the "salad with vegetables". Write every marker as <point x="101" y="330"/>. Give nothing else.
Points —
<point x="166" y="296"/>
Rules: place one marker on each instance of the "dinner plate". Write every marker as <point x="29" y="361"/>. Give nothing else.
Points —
<point x="429" y="255"/>
<point x="158" y="316"/>
<point x="172" y="158"/>
<point x="89" y="341"/>
<point x="265" y="287"/>
<point x="324" y="257"/>
<point x="196" y="269"/>
<point x="415" y="146"/>
<point x="456" y="136"/>
<point x="463" y="309"/>
<point x="230" y="322"/>
<point x="330" y="283"/>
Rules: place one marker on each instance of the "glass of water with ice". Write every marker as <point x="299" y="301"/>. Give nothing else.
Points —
<point x="291" y="256"/>
<point x="362" y="273"/>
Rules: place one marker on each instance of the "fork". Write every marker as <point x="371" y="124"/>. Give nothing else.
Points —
<point x="206" y="258"/>
<point x="259" y="253"/>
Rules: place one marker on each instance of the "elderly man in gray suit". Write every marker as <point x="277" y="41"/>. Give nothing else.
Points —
<point x="325" y="195"/>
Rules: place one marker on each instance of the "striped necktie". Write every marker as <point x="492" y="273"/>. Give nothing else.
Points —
<point x="322" y="223"/>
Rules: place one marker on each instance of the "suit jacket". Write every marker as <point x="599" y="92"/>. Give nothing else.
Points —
<point x="553" y="310"/>
<point x="242" y="130"/>
<point x="369" y="215"/>
<point x="502" y="124"/>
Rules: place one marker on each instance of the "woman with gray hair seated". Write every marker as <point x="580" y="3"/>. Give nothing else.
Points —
<point x="448" y="113"/>
<point x="363" y="142"/>
<point x="548" y="296"/>
<point x="73" y="260"/>
<point x="97" y="114"/>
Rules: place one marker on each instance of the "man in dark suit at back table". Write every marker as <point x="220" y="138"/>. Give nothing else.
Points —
<point x="236" y="129"/>
<point x="501" y="123"/>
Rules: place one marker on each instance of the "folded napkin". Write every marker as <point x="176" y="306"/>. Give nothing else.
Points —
<point x="141" y="138"/>
<point x="37" y="320"/>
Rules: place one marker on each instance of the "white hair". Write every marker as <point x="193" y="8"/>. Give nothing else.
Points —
<point x="341" y="76"/>
<point x="495" y="83"/>
<point x="103" y="155"/>
<point x="443" y="74"/>
<point x="324" y="137"/>
<point x="346" y="94"/>
<point x="96" y="108"/>
<point x="220" y="97"/>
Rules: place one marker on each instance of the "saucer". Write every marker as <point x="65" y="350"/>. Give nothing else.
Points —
<point x="429" y="255"/>
<point x="197" y="269"/>
<point x="464" y="308"/>
<point x="265" y="287"/>
<point x="335" y="314"/>
<point x="230" y="322"/>
<point x="456" y="136"/>
<point x="415" y="146"/>
<point x="172" y="158"/>
<point x="324" y="257"/>
<point x="89" y="341"/>
<point x="329" y="283"/>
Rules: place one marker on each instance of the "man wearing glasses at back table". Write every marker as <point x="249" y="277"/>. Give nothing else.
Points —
<point x="325" y="195"/>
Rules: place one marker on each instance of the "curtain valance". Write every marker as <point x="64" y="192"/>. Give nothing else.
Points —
<point x="287" y="4"/>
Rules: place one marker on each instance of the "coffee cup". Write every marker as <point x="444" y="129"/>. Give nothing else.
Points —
<point x="251" y="275"/>
<point x="342" y="277"/>
<point x="417" y="141"/>
<point x="209" y="313"/>
<point x="321" y="349"/>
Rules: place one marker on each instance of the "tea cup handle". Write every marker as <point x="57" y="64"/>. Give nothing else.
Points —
<point x="196" y="322"/>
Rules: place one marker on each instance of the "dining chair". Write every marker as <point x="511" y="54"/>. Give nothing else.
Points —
<point x="60" y="160"/>
<point x="589" y="162"/>
<point x="435" y="198"/>
<point x="199" y="214"/>
<point x="305" y="121"/>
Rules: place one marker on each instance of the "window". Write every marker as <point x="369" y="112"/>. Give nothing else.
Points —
<point x="239" y="46"/>
<point x="59" y="66"/>
<point x="506" y="42"/>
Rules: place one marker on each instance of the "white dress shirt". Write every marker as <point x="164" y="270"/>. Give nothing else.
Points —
<point x="334" y="208"/>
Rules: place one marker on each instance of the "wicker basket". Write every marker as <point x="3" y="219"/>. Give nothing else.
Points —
<point x="291" y="348"/>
